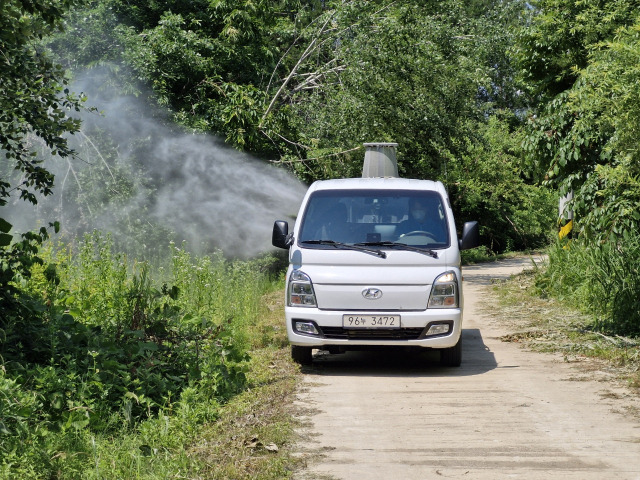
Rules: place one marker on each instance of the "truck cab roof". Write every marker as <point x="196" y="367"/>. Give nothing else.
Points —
<point x="387" y="183"/>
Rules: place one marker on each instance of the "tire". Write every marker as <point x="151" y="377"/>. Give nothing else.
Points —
<point x="452" y="357"/>
<point x="301" y="355"/>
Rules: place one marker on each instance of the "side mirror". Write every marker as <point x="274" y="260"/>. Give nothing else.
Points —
<point x="280" y="237"/>
<point x="470" y="236"/>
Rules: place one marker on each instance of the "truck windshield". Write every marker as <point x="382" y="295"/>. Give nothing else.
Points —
<point x="376" y="218"/>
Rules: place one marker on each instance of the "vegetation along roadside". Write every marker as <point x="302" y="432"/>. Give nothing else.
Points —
<point x="117" y="370"/>
<point x="556" y="323"/>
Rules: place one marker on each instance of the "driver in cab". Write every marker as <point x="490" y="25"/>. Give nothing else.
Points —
<point x="425" y="218"/>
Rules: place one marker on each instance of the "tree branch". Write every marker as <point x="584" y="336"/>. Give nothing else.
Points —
<point x="302" y="58"/>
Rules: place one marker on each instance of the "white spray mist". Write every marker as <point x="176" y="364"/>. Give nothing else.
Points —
<point x="207" y="193"/>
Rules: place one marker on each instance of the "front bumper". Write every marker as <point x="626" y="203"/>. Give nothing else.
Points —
<point x="412" y="333"/>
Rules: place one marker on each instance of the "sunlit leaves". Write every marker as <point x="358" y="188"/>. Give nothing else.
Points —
<point x="34" y="102"/>
<point x="489" y="185"/>
<point x="35" y="113"/>
<point x="584" y="138"/>
<point x="560" y="33"/>
<point x="387" y="72"/>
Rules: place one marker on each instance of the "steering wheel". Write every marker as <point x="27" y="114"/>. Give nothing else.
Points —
<point x="415" y="233"/>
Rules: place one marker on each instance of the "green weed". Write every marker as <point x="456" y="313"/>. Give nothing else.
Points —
<point x="602" y="280"/>
<point x="554" y="324"/>
<point x="104" y="352"/>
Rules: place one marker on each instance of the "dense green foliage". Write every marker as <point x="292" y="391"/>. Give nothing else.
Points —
<point x="487" y="183"/>
<point x="404" y="74"/>
<point x="210" y="62"/>
<point x="306" y="83"/>
<point x="34" y="115"/>
<point x="32" y="99"/>
<point x="97" y="351"/>
<point x="581" y="138"/>
<point x="601" y="282"/>
<point x="581" y="60"/>
<point x="418" y="73"/>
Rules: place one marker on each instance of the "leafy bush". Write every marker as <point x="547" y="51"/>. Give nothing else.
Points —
<point x="489" y="185"/>
<point x="97" y="348"/>
<point x="603" y="280"/>
<point x="582" y="136"/>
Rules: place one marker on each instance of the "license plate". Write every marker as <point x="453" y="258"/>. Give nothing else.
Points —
<point x="371" y="321"/>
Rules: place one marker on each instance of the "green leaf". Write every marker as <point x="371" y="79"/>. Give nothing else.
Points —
<point x="132" y="395"/>
<point x="5" y="239"/>
<point x="3" y="429"/>
<point x="5" y="227"/>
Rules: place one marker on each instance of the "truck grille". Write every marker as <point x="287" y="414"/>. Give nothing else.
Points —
<point x="372" y="334"/>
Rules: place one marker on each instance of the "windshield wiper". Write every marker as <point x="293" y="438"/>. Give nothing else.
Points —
<point x="346" y="246"/>
<point x="402" y="246"/>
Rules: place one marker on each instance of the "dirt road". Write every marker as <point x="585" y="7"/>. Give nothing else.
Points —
<point x="505" y="413"/>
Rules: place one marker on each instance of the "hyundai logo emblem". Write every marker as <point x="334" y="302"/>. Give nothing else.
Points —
<point x="372" y="293"/>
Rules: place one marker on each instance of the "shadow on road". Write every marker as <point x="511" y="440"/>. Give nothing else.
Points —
<point x="400" y="362"/>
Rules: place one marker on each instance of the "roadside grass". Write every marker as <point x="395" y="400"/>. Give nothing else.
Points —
<point x="106" y="373"/>
<point x="255" y="435"/>
<point x="552" y="325"/>
<point x="478" y="255"/>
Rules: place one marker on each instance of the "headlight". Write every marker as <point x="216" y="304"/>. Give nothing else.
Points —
<point x="300" y="290"/>
<point x="444" y="292"/>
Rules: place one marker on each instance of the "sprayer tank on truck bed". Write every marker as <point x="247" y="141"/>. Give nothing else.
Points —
<point x="374" y="262"/>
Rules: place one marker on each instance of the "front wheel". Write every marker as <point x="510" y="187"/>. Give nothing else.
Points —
<point x="452" y="356"/>
<point x="301" y="355"/>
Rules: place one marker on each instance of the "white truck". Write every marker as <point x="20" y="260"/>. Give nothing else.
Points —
<point x="374" y="261"/>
